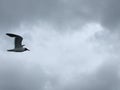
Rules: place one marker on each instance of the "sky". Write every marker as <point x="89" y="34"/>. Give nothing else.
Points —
<point x="74" y="45"/>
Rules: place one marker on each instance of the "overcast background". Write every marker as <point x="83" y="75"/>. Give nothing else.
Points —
<point x="74" y="45"/>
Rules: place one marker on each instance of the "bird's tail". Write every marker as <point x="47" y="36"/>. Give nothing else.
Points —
<point x="10" y="50"/>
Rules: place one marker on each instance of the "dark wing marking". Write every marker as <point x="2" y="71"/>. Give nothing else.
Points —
<point x="18" y="40"/>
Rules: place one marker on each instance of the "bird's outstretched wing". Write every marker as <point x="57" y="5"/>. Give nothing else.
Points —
<point x="18" y="40"/>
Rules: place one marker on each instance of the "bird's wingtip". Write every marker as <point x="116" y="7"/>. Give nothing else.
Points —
<point x="8" y="34"/>
<point x="11" y="35"/>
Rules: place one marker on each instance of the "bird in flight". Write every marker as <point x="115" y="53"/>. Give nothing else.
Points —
<point x="18" y="43"/>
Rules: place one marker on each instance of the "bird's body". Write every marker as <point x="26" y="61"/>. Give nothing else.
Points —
<point x="17" y="50"/>
<point x="18" y="43"/>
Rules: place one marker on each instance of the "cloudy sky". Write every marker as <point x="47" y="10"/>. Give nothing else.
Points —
<point x="74" y="45"/>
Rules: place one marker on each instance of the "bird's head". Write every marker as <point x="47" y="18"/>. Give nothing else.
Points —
<point x="27" y="49"/>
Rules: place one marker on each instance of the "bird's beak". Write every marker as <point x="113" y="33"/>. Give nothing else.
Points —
<point x="28" y="50"/>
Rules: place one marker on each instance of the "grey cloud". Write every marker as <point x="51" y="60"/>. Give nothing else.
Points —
<point x="59" y="12"/>
<point x="21" y="76"/>
<point x="105" y="78"/>
<point x="111" y="14"/>
<point x="16" y="11"/>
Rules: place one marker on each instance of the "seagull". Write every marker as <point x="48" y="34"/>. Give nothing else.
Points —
<point x="18" y="43"/>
